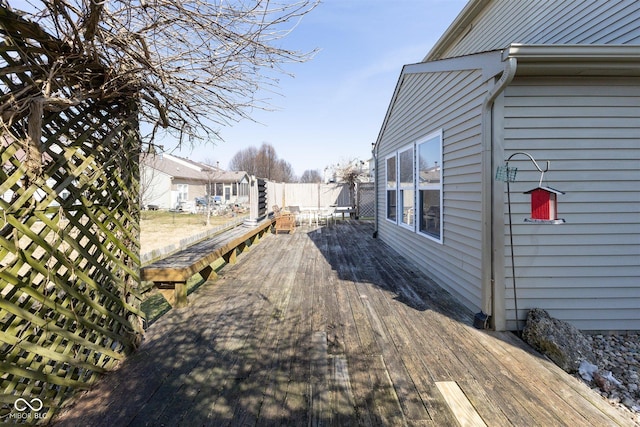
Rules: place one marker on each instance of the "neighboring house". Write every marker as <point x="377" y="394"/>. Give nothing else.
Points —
<point x="20" y="156"/>
<point x="232" y="187"/>
<point x="559" y="80"/>
<point x="168" y="180"/>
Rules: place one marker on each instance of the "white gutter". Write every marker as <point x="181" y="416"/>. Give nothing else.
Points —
<point x="488" y="274"/>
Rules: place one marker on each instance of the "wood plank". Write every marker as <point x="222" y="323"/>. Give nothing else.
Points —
<point x="318" y="384"/>
<point x="388" y="410"/>
<point x="264" y="355"/>
<point x="289" y="405"/>
<point x="219" y="375"/>
<point x="329" y="325"/>
<point x="421" y="356"/>
<point x="274" y="380"/>
<point x="408" y="396"/>
<point x="462" y="409"/>
<point x="359" y="376"/>
<point x="342" y="400"/>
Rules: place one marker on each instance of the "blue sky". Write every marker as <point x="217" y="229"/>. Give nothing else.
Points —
<point x="332" y="109"/>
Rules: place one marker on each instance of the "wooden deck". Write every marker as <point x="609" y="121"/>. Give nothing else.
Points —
<point x="329" y="327"/>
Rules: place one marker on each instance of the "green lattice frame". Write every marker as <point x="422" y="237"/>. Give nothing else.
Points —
<point x="69" y="229"/>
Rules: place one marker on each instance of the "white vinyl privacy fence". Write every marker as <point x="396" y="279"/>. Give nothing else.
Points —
<point x="307" y="196"/>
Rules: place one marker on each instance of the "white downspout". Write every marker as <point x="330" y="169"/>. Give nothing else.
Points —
<point x="374" y="153"/>
<point x="488" y="274"/>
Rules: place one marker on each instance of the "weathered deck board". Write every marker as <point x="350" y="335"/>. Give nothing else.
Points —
<point x="180" y="266"/>
<point x="328" y="327"/>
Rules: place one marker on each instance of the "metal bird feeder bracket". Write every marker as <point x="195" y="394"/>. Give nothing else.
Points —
<point x="543" y="208"/>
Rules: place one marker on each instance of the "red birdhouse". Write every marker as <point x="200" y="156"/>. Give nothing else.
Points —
<point x="544" y="204"/>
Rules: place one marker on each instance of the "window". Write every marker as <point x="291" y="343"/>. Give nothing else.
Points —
<point x="391" y="189"/>
<point x="414" y="187"/>
<point x="183" y="192"/>
<point x="244" y="189"/>
<point x="406" y="187"/>
<point x="429" y="183"/>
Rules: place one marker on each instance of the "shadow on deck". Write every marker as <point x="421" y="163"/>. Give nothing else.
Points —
<point x="327" y="326"/>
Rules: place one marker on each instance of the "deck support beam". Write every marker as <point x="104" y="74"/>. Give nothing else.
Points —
<point x="180" y="291"/>
<point x="209" y="274"/>
<point x="230" y="257"/>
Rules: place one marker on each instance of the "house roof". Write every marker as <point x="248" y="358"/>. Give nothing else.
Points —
<point x="231" y="176"/>
<point x="182" y="168"/>
<point x="176" y="167"/>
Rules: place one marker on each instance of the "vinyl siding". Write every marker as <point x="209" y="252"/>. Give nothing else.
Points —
<point x="451" y="102"/>
<point x="155" y="187"/>
<point x="566" y="22"/>
<point x="586" y="271"/>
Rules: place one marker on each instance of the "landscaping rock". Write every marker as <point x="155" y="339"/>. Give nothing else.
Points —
<point x="560" y="341"/>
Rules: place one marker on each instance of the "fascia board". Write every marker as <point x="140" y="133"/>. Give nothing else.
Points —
<point x="568" y="53"/>
<point x="575" y="59"/>
<point x="489" y="62"/>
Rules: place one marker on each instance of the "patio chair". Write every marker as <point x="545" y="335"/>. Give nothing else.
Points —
<point x="327" y="216"/>
<point x="295" y="211"/>
<point x="285" y="221"/>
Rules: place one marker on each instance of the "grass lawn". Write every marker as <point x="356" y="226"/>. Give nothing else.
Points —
<point x="163" y="228"/>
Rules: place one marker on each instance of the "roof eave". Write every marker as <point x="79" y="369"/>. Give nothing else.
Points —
<point x="575" y="59"/>
<point x="460" y="26"/>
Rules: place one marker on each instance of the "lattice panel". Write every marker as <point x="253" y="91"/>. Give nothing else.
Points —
<point x="69" y="231"/>
<point x="365" y="199"/>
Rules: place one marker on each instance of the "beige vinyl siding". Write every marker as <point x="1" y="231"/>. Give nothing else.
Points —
<point x="586" y="271"/>
<point x="565" y="22"/>
<point x="451" y="102"/>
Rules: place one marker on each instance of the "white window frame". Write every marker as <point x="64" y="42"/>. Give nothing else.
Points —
<point x="183" y="190"/>
<point x="393" y="188"/>
<point x="408" y="186"/>
<point x="429" y="186"/>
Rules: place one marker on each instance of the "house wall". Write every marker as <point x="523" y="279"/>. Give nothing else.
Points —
<point x="585" y="271"/>
<point x="424" y="103"/>
<point x="565" y="22"/>
<point x="153" y="186"/>
<point x="194" y="188"/>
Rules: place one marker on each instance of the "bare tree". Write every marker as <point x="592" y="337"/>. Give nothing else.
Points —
<point x="262" y="162"/>
<point x="284" y="171"/>
<point x="192" y="65"/>
<point x="312" y="176"/>
<point x="244" y="160"/>
<point x="351" y="173"/>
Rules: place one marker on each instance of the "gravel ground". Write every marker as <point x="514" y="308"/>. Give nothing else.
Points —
<point x="619" y="355"/>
